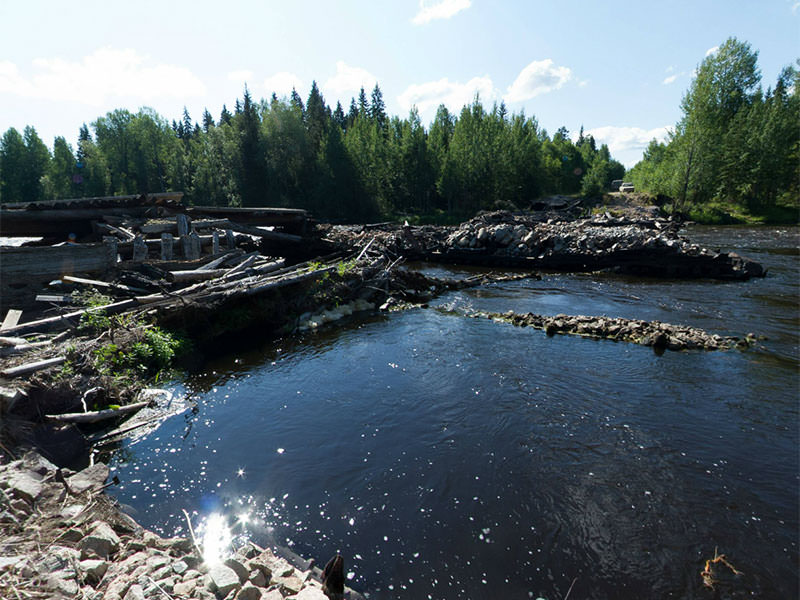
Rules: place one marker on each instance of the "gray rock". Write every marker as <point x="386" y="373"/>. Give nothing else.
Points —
<point x="101" y="542"/>
<point x="223" y="580"/>
<point x="33" y="461"/>
<point x="257" y="578"/>
<point x="161" y="572"/>
<point x="310" y="593"/>
<point x="184" y="588"/>
<point x="91" y="478"/>
<point x="191" y="574"/>
<point x="249" y="592"/>
<point x="135" y="592"/>
<point x="180" y="567"/>
<point x="272" y="595"/>
<point x="93" y="570"/>
<point x="289" y="585"/>
<point x="25" y="485"/>
<point x="58" y="558"/>
<point x="63" y="582"/>
<point x="241" y="571"/>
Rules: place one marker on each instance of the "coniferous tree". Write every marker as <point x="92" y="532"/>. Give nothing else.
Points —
<point x="59" y="178"/>
<point x="377" y="108"/>
<point x="12" y="167"/>
<point x="225" y="117"/>
<point x="208" y="121"/>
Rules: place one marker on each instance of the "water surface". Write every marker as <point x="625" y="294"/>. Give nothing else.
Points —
<point x="448" y="457"/>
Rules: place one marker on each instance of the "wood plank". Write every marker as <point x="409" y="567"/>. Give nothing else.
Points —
<point x="273" y="236"/>
<point x="12" y="318"/>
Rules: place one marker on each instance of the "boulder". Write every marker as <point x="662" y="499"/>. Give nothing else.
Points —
<point x="223" y="580"/>
<point x="91" y="478"/>
<point x="249" y="592"/>
<point x="101" y="541"/>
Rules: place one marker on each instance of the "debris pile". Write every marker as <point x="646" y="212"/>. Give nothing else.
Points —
<point x="640" y="246"/>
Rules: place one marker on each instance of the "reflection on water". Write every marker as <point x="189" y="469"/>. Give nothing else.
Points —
<point x="452" y="458"/>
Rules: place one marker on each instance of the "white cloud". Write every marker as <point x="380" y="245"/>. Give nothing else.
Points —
<point x="107" y="72"/>
<point x="443" y="9"/>
<point x="282" y="84"/>
<point x="240" y="76"/>
<point x="711" y="50"/>
<point x="452" y="94"/>
<point x="624" y="139"/>
<point x="349" y="80"/>
<point x="795" y="7"/>
<point x="539" y="77"/>
<point x="670" y="79"/>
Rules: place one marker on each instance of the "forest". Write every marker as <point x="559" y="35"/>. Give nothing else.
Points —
<point x="358" y="164"/>
<point x="736" y="148"/>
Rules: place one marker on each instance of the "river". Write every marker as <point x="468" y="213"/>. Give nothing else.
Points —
<point x="448" y="457"/>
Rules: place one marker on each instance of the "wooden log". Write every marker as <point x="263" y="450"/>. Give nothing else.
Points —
<point x="215" y="242"/>
<point x="194" y="242"/>
<point x="230" y="239"/>
<point x="139" y="249"/>
<point x="195" y="275"/>
<point x="249" y="259"/>
<point x="61" y="321"/>
<point x="170" y="225"/>
<point x="22" y="348"/>
<point x="33" y="367"/>
<point x="12" y="341"/>
<point x="184" y="225"/>
<point x="97" y="415"/>
<point x="104" y="284"/>
<point x="272" y="236"/>
<point x="217" y="261"/>
<point x="123" y="234"/>
<point x="12" y="318"/>
<point x="59" y="221"/>
<point x="56" y="298"/>
<point x="166" y="246"/>
<point x="113" y="247"/>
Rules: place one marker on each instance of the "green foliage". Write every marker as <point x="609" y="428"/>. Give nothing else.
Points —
<point x="736" y="148"/>
<point x="344" y="267"/>
<point x="153" y="351"/>
<point x="361" y="166"/>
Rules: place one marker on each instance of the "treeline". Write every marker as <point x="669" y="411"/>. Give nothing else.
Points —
<point x="357" y="164"/>
<point x="735" y="145"/>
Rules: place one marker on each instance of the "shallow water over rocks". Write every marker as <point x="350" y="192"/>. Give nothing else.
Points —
<point x="449" y="457"/>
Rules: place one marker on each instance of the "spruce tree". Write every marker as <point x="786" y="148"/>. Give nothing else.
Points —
<point x="208" y="120"/>
<point x="377" y="108"/>
<point x="225" y="117"/>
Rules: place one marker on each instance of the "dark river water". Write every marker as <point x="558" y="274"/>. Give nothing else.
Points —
<point x="448" y="457"/>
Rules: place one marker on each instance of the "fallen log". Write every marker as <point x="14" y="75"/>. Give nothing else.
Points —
<point x="33" y="367"/>
<point x="97" y="415"/>
<point x="104" y="284"/>
<point x="272" y="236"/>
<point x="195" y="275"/>
<point x="22" y="348"/>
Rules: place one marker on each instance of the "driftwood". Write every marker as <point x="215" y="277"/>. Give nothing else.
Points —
<point x="12" y="341"/>
<point x="54" y="298"/>
<point x="104" y="284"/>
<point x="32" y="367"/>
<point x="195" y="275"/>
<point x="22" y="348"/>
<point x="97" y="415"/>
<point x="272" y="236"/>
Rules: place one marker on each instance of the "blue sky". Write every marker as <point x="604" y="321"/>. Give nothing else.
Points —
<point x="617" y="68"/>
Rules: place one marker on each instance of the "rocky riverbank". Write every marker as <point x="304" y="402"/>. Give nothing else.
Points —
<point x="62" y="537"/>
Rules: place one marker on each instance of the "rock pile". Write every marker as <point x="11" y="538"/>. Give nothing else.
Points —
<point x="63" y="538"/>
<point x="661" y="336"/>
<point x="640" y="246"/>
